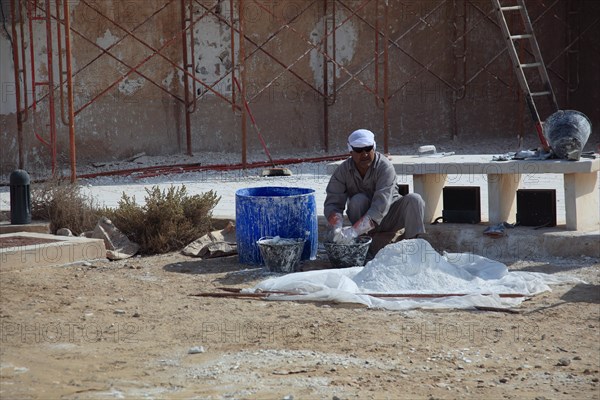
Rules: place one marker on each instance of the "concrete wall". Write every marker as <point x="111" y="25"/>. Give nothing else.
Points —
<point x="453" y="96"/>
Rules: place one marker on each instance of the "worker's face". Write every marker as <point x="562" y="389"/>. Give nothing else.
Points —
<point x="363" y="156"/>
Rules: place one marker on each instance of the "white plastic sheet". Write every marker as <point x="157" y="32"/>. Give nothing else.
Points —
<point x="414" y="267"/>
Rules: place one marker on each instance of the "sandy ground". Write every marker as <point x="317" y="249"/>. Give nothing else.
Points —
<point x="130" y="329"/>
<point x="127" y="329"/>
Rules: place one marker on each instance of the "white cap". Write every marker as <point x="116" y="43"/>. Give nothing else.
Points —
<point x="361" y="138"/>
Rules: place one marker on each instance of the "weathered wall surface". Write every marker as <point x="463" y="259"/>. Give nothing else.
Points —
<point x="448" y="75"/>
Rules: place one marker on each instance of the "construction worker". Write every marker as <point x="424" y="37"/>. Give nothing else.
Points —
<point x="365" y="186"/>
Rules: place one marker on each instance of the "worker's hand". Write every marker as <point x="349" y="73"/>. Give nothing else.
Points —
<point x="335" y="220"/>
<point x="346" y="235"/>
<point x="334" y="235"/>
<point x="363" y="225"/>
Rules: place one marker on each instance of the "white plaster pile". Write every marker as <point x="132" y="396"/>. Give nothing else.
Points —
<point x="414" y="267"/>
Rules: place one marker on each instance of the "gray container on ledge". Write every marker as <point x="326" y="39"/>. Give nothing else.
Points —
<point x="567" y="132"/>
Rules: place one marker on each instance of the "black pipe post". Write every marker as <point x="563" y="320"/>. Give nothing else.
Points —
<point x="20" y="198"/>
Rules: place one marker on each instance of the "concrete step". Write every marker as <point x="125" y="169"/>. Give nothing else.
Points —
<point x="519" y="243"/>
<point x="34" y="226"/>
<point x="29" y="250"/>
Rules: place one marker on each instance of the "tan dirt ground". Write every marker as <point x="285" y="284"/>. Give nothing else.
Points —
<point x="125" y="329"/>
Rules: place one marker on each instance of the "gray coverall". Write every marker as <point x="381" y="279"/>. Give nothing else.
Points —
<point x="375" y="195"/>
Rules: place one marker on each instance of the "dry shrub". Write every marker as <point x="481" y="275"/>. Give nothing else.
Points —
<point x="62" y="204"/>
<point x="169" y="220"/>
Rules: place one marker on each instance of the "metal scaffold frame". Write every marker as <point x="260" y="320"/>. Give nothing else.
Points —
<point x="192" y="12"/>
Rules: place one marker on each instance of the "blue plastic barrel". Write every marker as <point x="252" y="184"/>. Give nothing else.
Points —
<point x="287" y="212"/>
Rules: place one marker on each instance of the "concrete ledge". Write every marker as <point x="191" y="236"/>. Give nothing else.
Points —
<point x="568" y="243"/>
<point x="502" y="179"/>
<point x="35" y="226"/>
<point x="51" y="250"/>
<point x="483" y="164"/>
<point x="520" y="243"/>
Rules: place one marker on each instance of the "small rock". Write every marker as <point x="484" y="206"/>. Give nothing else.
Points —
<point x="564" y="362"/>
<point x="119" y="312"/>
<point x="503" y="380"/>
<point x="136" y="315"/>
<point x="577" y="358"/>
<point x="594" y="379"/>
<point x="118" y="246"/>
<point x="196" y="350"/>
<point x="288" y="397"/>
<point x="136" y="156"/>
<point x="64" y="232"/>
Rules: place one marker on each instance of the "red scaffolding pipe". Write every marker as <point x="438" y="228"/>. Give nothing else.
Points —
<point x="386" y="95"/>
<point x="47" y="18"/>
<point x="15" y="51"/>
<point x="232" y="53"/>
<point x="61" y="96"/>
<point x="325" y="81"/>
<point x="260" y="137"/>
<point x="186" y="67"/>
<point x="147" y="172"/>
<point x="242" y="77"/>
<point x="333" y="54"/>
<point x="69" y="78"/>
<point x="50" y="83"/>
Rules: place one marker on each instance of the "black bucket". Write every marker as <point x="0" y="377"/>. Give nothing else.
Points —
<point x="279" y="254"/>
<point x="567" y="132"/>
<point x="348" y="255"/>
